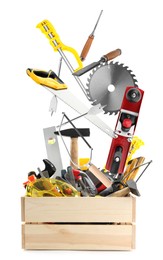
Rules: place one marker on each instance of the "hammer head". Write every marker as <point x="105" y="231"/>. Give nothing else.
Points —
<point x="133" y="187"/>
<point x="71" y="132"/>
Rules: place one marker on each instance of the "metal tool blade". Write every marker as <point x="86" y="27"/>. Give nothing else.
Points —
<point x="87" y="68"/>
<point x="52" y="148"/>
<point x="107" y="84"/>
<point x="67" y="97"/>
<point x="97" y="23"/>
<point x="53" y="105"/>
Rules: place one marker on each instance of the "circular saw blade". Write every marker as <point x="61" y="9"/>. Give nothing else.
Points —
<point x="107" y="84"/>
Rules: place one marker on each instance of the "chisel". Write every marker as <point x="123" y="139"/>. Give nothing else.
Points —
<point x="109" y="56"/>
<point x="89" y="41"/>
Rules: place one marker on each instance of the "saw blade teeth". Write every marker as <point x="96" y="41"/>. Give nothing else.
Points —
<point x="125" y="67"/>
<point x="94" y="103"/>
<point x="92" y="86"/>
<point x="89" y="98"/>
<point x="94" y="69"/>
<point x="87" y="85"/>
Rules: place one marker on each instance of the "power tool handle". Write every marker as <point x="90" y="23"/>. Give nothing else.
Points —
<point x="113" y="54"/>
<point x="86" y="47"/>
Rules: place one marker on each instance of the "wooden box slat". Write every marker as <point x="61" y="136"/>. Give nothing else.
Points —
<point x="78" y="237"/>
<point x="79" y="209"/>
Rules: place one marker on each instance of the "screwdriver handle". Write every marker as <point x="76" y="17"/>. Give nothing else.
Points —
<point x="86" y="47"/>
<point x="113" y="54"/>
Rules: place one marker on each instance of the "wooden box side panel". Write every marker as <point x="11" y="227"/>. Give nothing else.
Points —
<point x="23" y="209"/>
<point x="79" y="209"/>
<point x="78" y="237"/>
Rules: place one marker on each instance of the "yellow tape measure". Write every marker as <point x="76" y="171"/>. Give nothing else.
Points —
<point x="47" y="28"/>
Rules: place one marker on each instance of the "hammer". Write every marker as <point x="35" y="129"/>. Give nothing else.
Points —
<point x="74" y="134"/>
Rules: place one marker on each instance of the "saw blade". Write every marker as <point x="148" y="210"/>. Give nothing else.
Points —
<point x="107" y="84"/>
<point x="68" y="98"/>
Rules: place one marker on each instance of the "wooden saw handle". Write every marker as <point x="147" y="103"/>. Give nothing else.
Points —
<point x="113" y="54"/>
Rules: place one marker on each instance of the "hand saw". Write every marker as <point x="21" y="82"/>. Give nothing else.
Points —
<point x="67" y="97"/>
<point x="47" y="28"/>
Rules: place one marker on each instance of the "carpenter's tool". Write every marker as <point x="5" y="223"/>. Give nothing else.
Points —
<point x="101" y="176"/>
<point x="89" y="41"/>
<point x="67" y="97"/>
<point x="99" y="185"/>
<point x="81" y="187"/>
<point x="83" y="163"/>
<point x="92" y="111"/>
<point x="73" y="134"/>
<point x="131" y="185"/>
<point x="85" y="183"/>
<point x="53" y="105"/>
<point x="61" y="179"/>
<point x="46" y="78"/>
<point x="120" y="193"/>
<point x="135" y="169"/>
<point x="135" y="145"/>
<point x="47" y="28"/>
<point x="49" y="170"/>
<point x="69" y="176"/>
<point x="125" y="128"/>
<point x="52" y="148"/>
<point x="129" y="169"/>
<point x="89" y="185"/>
<point x="107" y="84"/>
<point x="91" y="188"/>
<point x="60" y="65"/>
<point x="109" y="56"/>
<point x="54" y="100"/>
<point x="79" y="134"/>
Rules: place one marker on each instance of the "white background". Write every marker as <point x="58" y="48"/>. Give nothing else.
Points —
<point x="133" y="26"/>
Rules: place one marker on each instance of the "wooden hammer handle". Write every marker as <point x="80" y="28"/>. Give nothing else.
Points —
<point x="113" y="54"/>
<point x="74" y="152"/>
<point x="101" y="176"/>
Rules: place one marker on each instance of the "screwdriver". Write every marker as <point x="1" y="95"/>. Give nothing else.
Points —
<point x="89" y="41"/>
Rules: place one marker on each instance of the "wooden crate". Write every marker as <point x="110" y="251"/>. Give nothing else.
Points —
<point x="78" y="223"/>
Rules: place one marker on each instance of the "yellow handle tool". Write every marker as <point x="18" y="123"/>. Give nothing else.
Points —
<point x="47" y="28"/>
<point x="135" y="145"/>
